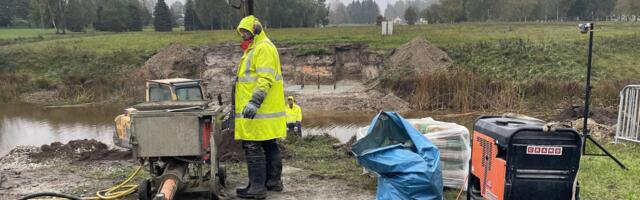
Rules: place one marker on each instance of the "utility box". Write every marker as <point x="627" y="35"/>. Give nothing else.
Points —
<point x="158" y="134"/>
<point x="387" y="27"/>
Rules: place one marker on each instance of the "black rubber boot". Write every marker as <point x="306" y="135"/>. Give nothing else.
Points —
<point x="243" y="189"/>
<point x="274" y="165"/>
<point x="256" y="166"/>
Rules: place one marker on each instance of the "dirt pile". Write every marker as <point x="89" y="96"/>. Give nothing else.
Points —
<point x="79" y="150"/>
<point x="420" y="56"/>
<point x="606" y="116"/>
<point x="597" y="130"/>
<point x="176" y="60"/>
<point x="221" y="62"/>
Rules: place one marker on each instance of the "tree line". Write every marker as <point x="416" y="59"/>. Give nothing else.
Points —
<point x="530" y="10"/>
<point x="357" y="12"/>
<point x="216" y="14"/>
<point x="133" y="15"/>
<point x="446" y="11"/>
<point x="76" y="15"/>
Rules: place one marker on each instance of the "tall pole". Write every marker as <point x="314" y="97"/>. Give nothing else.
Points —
<point x="585" y="128"/>
<point x="249" y="7"/>
<point x="587" y="96"/>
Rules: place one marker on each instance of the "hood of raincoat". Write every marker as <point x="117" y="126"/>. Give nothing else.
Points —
<point x="248" y="23"/>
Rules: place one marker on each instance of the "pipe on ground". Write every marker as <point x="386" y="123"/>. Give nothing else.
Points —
<point x="171" y="180"/>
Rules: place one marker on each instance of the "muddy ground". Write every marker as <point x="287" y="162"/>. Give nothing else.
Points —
<point x="82" y="167"/>
<point x="345" y="77"/>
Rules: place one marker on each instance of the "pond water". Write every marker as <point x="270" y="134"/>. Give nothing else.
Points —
<point x="24" y="124"/>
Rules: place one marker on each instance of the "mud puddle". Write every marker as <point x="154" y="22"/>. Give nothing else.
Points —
<point x="26" y="124"/>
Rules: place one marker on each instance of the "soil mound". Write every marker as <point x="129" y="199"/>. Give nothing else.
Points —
<point x="420" y="56"/>
<point x="176" y="60"/>
<point x="80" y="150"/>
<point x="596" y="129"/>
<point x="606" y="116"/>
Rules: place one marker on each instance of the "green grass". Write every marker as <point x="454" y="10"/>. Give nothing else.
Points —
<point x="315" y="153"/>
<point x="506" y="51"/>
<point x="6" y="33"/>
<point x="599" y="177"/>
<point x="439" y="34"/>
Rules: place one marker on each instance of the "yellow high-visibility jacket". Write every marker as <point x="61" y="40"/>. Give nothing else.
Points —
<point x="294" y="113"/>
<point x="260" y="69"/>
<point x="123" y="123"/>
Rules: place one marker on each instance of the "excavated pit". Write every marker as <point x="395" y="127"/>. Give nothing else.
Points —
<point x="344" y="77"/>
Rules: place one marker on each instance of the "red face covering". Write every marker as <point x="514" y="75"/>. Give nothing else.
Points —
<point x="245" y="44"/>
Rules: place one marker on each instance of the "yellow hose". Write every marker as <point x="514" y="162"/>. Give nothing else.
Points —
<point x="118" y="191"/>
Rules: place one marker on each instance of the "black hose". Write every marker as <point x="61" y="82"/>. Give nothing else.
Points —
<point x="49" y="194"/>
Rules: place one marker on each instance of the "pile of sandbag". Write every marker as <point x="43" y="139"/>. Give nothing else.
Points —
<point x="453" y="142"/>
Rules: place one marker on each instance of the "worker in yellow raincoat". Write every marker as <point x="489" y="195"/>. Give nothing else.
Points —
<point x="294" y="117"/>
<point x="258" y="94"/>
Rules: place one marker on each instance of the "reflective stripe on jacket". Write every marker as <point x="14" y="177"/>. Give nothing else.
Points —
<point x="294" y="114"/>
<point x="260" y="69"/>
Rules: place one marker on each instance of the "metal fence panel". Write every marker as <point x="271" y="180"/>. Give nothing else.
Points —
<point x="628" y="127"/>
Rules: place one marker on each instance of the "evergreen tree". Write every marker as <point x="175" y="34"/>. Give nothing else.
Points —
<point x="113" y="15"/>
<point x="191" y="21"/>
<point x="145" y="14"/>
<point x="162" y="17"/>
<point x="205" y="13"/>
<point x="6" y="13"/>
<point x="135" y="16"/>
<point x="76" y="21"/>
<point x="411" y="15"/>
<point x="21" y="11"/>
<point x="364" y="12"/>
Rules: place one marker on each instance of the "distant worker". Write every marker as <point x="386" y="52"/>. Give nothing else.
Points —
<point x="259" y="109"/>
<point x="123" y="126"/>
<point x="294" y="117"/>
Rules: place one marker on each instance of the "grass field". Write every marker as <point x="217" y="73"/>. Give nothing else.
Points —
<point x="439" y="34"/>
<point x="501" y="51"/>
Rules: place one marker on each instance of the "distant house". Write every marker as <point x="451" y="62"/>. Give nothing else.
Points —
<point x="398" y="20"/>
<point x="422" y="21"/>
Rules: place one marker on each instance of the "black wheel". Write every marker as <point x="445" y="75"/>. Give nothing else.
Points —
<point x="222" y="175"/>
<point x="144" y="190"/>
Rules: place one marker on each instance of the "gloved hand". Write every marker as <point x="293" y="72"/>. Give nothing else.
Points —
<point x="249" y="111"/>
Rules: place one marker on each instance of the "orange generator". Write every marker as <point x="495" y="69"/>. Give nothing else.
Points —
<point x="518" y="158"/>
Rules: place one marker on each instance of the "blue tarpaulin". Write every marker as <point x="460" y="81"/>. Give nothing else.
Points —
<point x="407" y="162"/>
